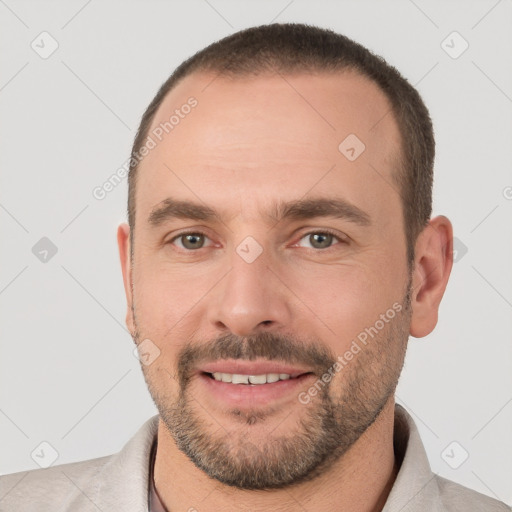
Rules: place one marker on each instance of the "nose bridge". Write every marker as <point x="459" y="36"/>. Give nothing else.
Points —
<point x="250" y="295"/>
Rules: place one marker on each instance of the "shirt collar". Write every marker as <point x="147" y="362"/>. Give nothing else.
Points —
<point x="415" y="488"/>
<point x="154" y="502"/>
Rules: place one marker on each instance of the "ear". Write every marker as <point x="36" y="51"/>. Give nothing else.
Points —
<point x="433" y="262"/>
<point x="123" y="242"/>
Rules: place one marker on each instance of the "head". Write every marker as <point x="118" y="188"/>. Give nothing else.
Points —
<point x="282" y="217"/>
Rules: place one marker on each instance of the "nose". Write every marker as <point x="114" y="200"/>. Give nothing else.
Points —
<point x="250" y="298"/>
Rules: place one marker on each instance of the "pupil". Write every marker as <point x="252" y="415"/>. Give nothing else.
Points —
<point x="322" y="240"/>
<point x="192" y="241"/>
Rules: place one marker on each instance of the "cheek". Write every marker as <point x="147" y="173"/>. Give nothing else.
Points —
<point x="164" y="297"/>
<point x="161" y="379"/>
<point x="343" y="300"/>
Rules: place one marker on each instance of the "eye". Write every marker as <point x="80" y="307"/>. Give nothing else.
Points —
<point x="190" y="241"/>
<point x="321" y="239"/>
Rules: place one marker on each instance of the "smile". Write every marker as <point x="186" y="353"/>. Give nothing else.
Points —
<point x="237" y="378"/>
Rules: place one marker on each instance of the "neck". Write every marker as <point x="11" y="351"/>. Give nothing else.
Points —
<point x="360" y="481"/>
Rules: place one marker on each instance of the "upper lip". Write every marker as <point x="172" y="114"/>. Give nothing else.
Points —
<point x="252" y="367"/>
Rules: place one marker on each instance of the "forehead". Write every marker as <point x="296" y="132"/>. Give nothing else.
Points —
<point x="274" y="134"/>
<point x="329" y="102"/>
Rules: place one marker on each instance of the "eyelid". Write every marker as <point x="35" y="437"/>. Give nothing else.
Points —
<point x="188" y="232"/>
<point x="342" y="238"/>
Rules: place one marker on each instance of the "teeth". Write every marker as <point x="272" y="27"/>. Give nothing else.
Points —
<point x="236" y="378"/>
<point x="239" y="379"/>
<point x="257" y="379"/>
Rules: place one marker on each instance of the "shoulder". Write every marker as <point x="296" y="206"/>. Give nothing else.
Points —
<point x="48" y="489"/>
<point x="112" y="482"/>
<point x="418" y="488"/>
<point x="456" y="497"/>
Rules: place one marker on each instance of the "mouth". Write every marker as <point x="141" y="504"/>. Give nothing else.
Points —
<point x="253" y="383"/>
<point x="238" y="371"/>
<point x="255" y="380"/>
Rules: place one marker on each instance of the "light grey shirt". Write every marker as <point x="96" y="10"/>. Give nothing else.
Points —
<point x="121" y="482"/>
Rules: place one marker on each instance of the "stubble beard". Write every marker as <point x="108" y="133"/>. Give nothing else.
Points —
<point x="326" y="427"/>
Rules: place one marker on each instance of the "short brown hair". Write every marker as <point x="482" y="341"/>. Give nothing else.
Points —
<point x="292" y="48"/>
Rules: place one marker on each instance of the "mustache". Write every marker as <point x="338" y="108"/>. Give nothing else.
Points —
<point x="265" y="345"/>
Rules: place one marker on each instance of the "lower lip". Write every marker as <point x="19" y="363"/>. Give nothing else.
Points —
<point x="254" y="394"/>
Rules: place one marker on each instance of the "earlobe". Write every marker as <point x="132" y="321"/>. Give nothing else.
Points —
<point x="433" y="263"/>
<point x="123" y="242"/>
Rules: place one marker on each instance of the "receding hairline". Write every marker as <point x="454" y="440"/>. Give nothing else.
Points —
<point x="395" y="153"/>
<point x="211" y="76"/>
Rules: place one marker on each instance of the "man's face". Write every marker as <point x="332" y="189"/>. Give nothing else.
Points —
<point x="262" y="289"/>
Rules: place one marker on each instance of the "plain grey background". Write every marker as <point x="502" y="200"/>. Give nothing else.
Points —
<point x="68" y="374"/>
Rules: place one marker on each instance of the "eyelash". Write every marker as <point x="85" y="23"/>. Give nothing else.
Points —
<point x="316" y="232"/>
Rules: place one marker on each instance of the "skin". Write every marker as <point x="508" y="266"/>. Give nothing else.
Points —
<point x="250" y="142"/>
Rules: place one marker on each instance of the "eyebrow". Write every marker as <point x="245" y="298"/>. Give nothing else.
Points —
<point x="300" y="209"/>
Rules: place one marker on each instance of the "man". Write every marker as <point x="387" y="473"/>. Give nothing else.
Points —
<point x="278" y="255"/>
